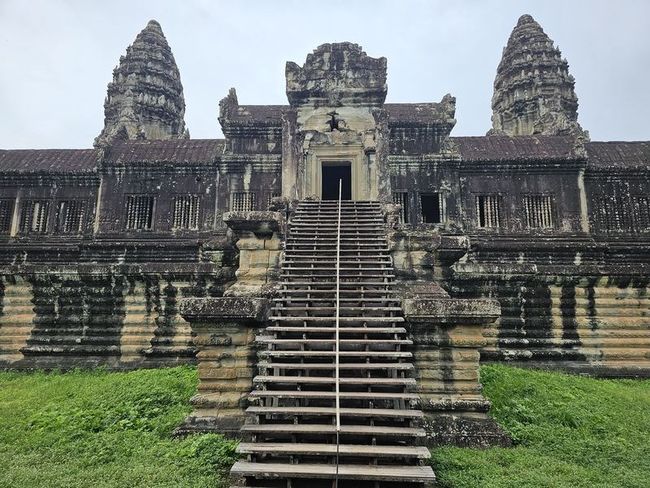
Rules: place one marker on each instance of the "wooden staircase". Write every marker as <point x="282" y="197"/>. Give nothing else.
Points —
<point x="294" y="425"/>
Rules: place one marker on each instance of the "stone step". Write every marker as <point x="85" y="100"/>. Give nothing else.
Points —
<point x="291" y="448"/>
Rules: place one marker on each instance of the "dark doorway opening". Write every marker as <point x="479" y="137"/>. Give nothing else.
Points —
<point x="332" y="173"/>
<point x="430" y="203"/>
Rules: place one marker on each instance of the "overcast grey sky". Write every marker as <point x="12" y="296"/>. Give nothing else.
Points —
<point x="57" y="56"/>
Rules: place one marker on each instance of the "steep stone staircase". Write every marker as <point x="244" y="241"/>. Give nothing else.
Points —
<point x="293" y="427"/>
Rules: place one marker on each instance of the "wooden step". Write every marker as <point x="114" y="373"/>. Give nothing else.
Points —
<point x="331" y="366"/>
<point x="344" y="412"/>
<point x="342" y="309"/>
<point x="330" y="395"/>
<point x="331" y="381"/>
<point x="290" y="448"/>
<point x="341" y="319"/>
<point x="360" y="354"/>
<point x="342" y="330"/>
<point x="405" y="474"/>
<point x="369" y="430"/>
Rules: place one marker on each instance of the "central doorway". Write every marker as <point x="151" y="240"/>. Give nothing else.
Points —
<point x="332" y="173"/>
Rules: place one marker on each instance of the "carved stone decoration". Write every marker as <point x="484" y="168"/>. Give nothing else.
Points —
<point x="337" y="74"/>
<point x="145" y="99"/>
<point x="533" y="90"/>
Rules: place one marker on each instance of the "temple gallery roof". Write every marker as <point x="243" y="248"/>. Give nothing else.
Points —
<point x="205" y="151"/>
<point x="619" y="154"/>
<point x="518" y="148"/>
<point x="59" y="161"/>
<point x="195" y="151"/>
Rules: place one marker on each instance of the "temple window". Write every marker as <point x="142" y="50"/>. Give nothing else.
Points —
<point x="401" y="198"/>
<point x="69" y="216"/>
<point x="539" y="211"/>
<point x="270" y="197"/>
<point x="488" y="211"/>
<point x="139" y="212"/>
<point x="431" y="205"/>
<point x="186" y="212"/>
<point x="243" y="201"/>
<point x="6" y="215"/>
<point x="33" y="218"/>
<point x="642" y="212"/>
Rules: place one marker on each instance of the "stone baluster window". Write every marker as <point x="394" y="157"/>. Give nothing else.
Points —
<point x="489" y="211"/>
<point x="243" y="201"/>
<point x="34" y="215"/>
<point x="69" y="216"/>
<point x="6" y="215"/>
<point x="139" y="212"/>
<point x="642" y="213"/>
<point x="270" y="197"/>
<point x="539" y="211"/>
<point x="186" y="212"/>
<point x="402" y="198"/>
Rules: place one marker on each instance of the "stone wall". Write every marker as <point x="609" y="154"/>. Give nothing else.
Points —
<point x="90" y="315"/>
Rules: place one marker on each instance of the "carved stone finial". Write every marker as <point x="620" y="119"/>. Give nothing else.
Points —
<point x="533" y="90"/>
<point x="337" y="74"/>
<point x="145" y="99"/>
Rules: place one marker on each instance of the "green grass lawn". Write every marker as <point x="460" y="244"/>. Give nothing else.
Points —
<point x="103" y="429"/>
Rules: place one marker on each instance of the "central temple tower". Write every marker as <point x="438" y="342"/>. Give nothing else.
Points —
<point x="336" y="126"/>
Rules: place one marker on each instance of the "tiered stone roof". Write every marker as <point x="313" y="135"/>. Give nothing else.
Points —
<point x="145" y="99"/>
<point x="533" y="90"/>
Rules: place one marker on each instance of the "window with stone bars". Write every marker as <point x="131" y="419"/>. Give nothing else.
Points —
<point x="539" y="212"/>
<point x="402" y="198"/>
<point x="243" y="201"/>
<point x="270" y="197"/>
<point x="6" y="215"/>
<point x="642" y="213"/>
<point x="69" y="216"/>
<point x="186" y="212"/>
<point x="489" y="211"/>
<point x="139" y="212"/>
<point x="619" y="212"/>
<point x="33" y="217"/>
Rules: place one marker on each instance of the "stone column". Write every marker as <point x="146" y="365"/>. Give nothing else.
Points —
<point x="224" y="332"/>
<point x="224" y="328"/>
<point x="259" y="240"/>
<point x="447" y="335"/>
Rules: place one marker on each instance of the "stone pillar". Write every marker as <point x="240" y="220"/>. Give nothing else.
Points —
<point x="447" y="335"/>
<point x="224" y="332"/>
<point x="259" y="240"/>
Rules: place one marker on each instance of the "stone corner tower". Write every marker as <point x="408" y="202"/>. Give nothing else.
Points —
<point x="533" y="90"/>
<point x="145" y="99"/>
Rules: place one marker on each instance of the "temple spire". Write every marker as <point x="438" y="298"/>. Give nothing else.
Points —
<point x="533" y="90"/>
<point x="145" y="99"/>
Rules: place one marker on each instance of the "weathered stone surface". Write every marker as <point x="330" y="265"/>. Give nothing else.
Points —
<point x="533" y="90"/>
<point x="145" y="99"/>
<point x="337" y="74"/>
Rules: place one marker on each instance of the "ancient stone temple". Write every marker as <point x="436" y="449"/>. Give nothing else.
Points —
<point x="530" y="245"/>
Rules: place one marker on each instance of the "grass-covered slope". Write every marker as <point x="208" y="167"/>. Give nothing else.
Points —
<point x="99" y="429"/>
<point x="570" y="431"/>
<point x="103" y="429"/>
